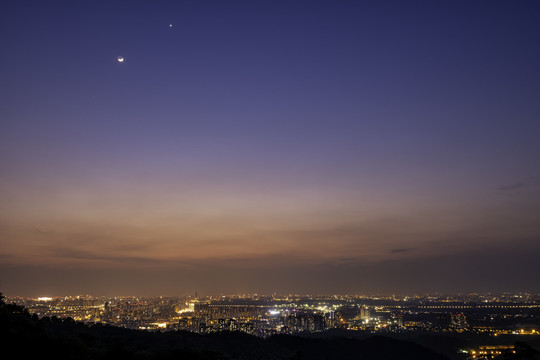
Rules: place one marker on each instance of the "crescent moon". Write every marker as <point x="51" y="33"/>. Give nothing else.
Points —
<point x="120" y="59"/>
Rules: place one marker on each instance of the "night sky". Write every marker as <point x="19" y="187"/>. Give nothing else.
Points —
<point x="269" y="146"/>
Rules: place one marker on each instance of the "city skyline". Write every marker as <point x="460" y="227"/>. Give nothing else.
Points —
<point x="468" y="327"/>
<point x="290" y="147"/>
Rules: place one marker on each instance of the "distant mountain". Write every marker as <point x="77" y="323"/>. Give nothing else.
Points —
<point x="29" y="337"/>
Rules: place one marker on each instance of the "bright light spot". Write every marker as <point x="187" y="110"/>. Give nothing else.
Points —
<point x="274" y="312"/>
<point x="170" y="25"/>
<point x="184" y="311"/>
<point x="44" y="299"/>
<point x="120" y="59"/>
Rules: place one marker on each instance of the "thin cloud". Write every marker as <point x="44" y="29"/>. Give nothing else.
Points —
<point x="511" y="187"/>
<point x="402" y="250"/>
<point x="42" y="231"/>
<point x="84" y="255"/>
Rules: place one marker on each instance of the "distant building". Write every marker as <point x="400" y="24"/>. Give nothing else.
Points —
<point x="363" y="314"/>
<point x="458" y="322"/>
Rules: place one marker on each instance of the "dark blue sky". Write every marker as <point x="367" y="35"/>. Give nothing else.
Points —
<point x="255" y="138"/>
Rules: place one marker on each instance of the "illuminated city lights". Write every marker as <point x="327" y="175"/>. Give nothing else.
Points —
<point x="295" y="314"/>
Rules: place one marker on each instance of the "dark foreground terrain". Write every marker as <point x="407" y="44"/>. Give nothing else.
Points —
<point x="29" y="337"/>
